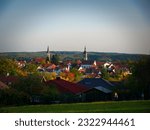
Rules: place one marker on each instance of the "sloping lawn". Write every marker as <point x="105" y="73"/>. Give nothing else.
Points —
<point x="93" y="107"/>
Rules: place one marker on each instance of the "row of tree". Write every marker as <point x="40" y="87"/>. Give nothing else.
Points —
<point x="137" y="85"/>
<point x="140" y="79"/>
<point x="32" y="90"/>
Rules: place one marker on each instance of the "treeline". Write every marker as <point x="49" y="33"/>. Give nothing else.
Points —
<point x="32" y="90"/>
<point x="137" y="85"/>
<point x="99" y="56"/>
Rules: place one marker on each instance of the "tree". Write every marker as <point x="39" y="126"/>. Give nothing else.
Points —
<point x="63" y="75"/>
<point x="105" y="74"/>
<point x="12" y="96"/>
<point x="49" y="75"/>
<point x="70" y="76"/>
<point x="141" y="72"/>
<point x="55" y="59"/>
<point x="32" y="88"/>
<point x="30" y="68"/>
<point x="49" y="94"/>
<point x="9" y="66"/>
<point x="31" y="85"/>
<point x="139" y="82"/>
<point x="77" y="74"/>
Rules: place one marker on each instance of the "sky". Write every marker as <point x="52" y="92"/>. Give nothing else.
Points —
<point x="121" y="26"/>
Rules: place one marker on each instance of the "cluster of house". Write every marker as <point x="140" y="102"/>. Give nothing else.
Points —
<point x="88" y="89"/>
<point x="92" y="68"/>
<point x="88" y="68"/>
<point x="85" y="66"/>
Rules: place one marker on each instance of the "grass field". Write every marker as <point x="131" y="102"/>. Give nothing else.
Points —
<point x="99" y="107"/>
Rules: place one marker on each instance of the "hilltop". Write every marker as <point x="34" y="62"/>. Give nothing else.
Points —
<point x="72" y="55"/>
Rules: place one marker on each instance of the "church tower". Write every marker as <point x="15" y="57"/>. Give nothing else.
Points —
<point x="85" y="54"/>
<point x="48" y="54"/>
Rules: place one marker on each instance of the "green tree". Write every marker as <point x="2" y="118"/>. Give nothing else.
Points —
<point x="8" y="66"/>
<point x="139" y="82"/>
<point x="12" y="96"/>
<point x="50" y="93"/>
<point x="55" y="59"/>
<point x="49" y="75"/>
<point x="105" y="74"/>
<point x="30" y="68"/>
<point x="77" y="74"/>
<point x="140" y="74"/>
<point x="31" y="85"/>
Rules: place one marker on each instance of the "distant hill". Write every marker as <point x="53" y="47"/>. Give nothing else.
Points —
<point x="72" y="55"/>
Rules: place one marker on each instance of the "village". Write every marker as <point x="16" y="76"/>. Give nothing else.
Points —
<point x="48" y="80"/>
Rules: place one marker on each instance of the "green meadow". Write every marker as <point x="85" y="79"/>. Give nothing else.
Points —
<point x="92" y="107"/>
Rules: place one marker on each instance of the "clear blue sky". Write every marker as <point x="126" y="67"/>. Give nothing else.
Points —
<point x="101" y="25"/>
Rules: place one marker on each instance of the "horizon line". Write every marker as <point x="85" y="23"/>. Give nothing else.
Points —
<point x="75" y="51"/>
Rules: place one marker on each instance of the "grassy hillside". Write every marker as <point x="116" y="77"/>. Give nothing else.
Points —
<point x="100" y="107"/>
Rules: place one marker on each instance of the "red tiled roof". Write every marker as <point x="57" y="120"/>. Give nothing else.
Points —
<point x="99" y="63"/>
<point x="39" y="60"/>
<point x="52" y="66"/>
<point x="47" y="65"/>
<point x="3" y="85"/>
<point x="65" y="86"/>
<point x="88" y="62"/>
<point x="8" y="79"/>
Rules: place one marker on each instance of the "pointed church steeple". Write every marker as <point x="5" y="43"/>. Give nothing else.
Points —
<point x="85" y="54"/>
<point x="48" y="54"/>
<point x="47" y="49"/>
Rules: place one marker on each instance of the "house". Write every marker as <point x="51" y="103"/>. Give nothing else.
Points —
<point x="67" y="87"/>
<point x="123" y="67"/>
<point x="89" y="68"/>
<point x="98" y="89"/>
<point x="95" y="82"/>
<point x="8" y="80"/>
<point x="3" y="85"/>
<point x="97" y="94"/>
<point x="48" y="67"/>
<point x="39" y="60"/>
<point x="110" y="67"/>
<point x="40" y="69"/>
<point x="67" y="91"/>
<point x="87" y="64"/>
<point x="21" y="64"/>
<point x="51" y="68"/>
<point x="57" y="70"/>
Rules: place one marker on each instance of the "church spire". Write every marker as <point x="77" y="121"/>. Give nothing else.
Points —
<point x="47" y="49"/>
<point x="85" y="54"/>
<point x="48" y="54"/>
